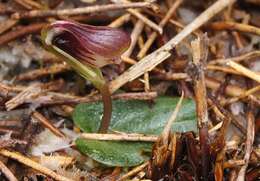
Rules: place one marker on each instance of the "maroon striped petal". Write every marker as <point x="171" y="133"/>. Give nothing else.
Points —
<point x="91" y="45"/>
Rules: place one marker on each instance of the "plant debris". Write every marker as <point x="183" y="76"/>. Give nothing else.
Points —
<point x="206" y="52"/>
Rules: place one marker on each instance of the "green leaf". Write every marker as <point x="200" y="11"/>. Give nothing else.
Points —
<point x="138" y="116"/>
<point x="132" y="117"/>
<point x="122" y="154"/>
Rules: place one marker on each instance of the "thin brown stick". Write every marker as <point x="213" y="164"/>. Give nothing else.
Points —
<point x="163" y="22"/>
<point x="240" y="58"/>
<point x="134" y="171"/>
<point x="172" y="76"/>
<point x="59" y="98"/>
<point x="7" y="24"/>
<point x="200" y="52"/>
<point x="146" y="82"/>
<point x="140" y="41"/>
<point x="76" y="11"/>
<point x="31" y="93"/>
<point x="46" y="123"/>
<point x="8" y="130"/>
<point x="235" y="26"/>
<point x="37" y="73"/>
<point x="4" y="9"/>
<point x="233" y="163"/>
<point x="141" y="17"/>
<point x="254" y="99"/>
<point x="119" y="137"/>
<point x="167" y="129"/>
<point x="21" y="3"/>
<point x="161" y="54"/>
<point x="120" y="21"/>
<point x="34" y="4"/>
<point x="245" y="94"/>
<point x="249" y="142"/>
<point x="227" y="118"/>
<point x="10" y="123"/>
<point x="153" y="37"/>
<point x="5" y="89"/>
<point x="30" y="163"/>
<point x="218" y="166"/>
<point x="56" y="98"/>
<point x="237" y="39"/>
<point x="174" y="23"/>
<point x="138" y="28"/>
<point x="245" y="71"/>
<point x="132" y="62"/>
<point x="230" y="90"/>
<point x="223" y="69"/>
<point x="8" y="174"/>
<point x="54" y="4"/>
<point x="145" y="20"/>
<point x="29" y="4"/>
<point x="50" y="86"/>
<point x="21" y="31"/>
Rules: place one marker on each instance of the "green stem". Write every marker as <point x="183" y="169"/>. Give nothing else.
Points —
<point x="94" y="75"/>
<point x="99" y="82"/>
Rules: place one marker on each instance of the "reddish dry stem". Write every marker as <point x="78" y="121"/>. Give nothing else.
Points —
<point x="235" y="26"/>
<point x="205" y="149"/>
<point x="12" y="35"/>
<point x="107" y="109"/>
<point x="76" y="11"/>
<point x="199" y="51"/>
<point x="46" y="123"/>
<point x="9" y="175"/>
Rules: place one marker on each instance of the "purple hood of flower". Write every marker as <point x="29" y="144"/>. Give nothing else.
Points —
<point x="92" y="45"/>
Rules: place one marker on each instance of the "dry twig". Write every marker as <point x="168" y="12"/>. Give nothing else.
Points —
<point x="237" y="59"/>
<point x="76" y="11"/>
<point x="163" y="22"/>
<point x="29" y="93"/>
<point x="133" y="171"/>
<point x="249" y="142"/>
<point x="200" y="53"/>
<point x="120" y="21"/>
<point x="235" y="26"/>
<point x="37" y="73"/>
<point x="167" y="129"/>
<point x="161" y="54"/>
<point x="245" y="71"/>
<point x="30" y="163"/>
<point x="46" y="123"/>
<point x="21" y="31"/>
<point x="50" y="98"/>
<point x="137" y="14"/>
<point x="29" y="4"/>
<point x="6" y="25"/>
<point x="8" y="174"/>
<point x="164" y="149"/>
<point x="32" y="93"/>
<point x="119" y="137"/>
<point x="138" y="28"/>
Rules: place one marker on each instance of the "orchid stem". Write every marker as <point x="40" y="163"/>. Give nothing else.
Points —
<point x="107" y="109"/>
<point x="100" y="83"/>
<point x="95" y="76"/>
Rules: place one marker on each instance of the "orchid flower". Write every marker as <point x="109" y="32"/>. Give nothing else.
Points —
<point x="86" y="49"/>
